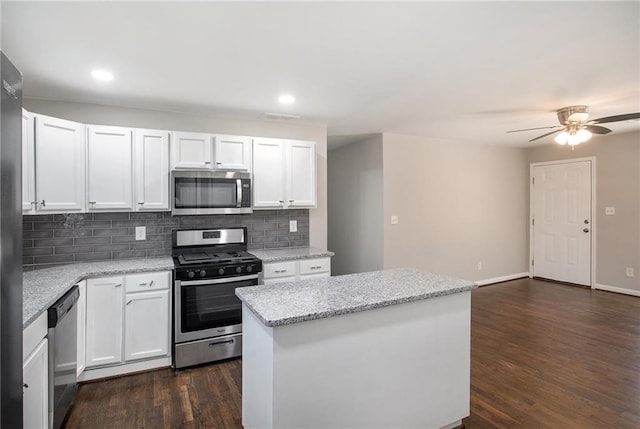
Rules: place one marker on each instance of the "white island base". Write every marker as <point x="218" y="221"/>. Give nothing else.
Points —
<point x="401" y="366"/>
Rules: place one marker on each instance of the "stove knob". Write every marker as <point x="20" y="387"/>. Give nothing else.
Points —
<point x="238" y="270"/>
<point x="249" y="268"/>
<point x="191" y="274"/>
<point x="221" y="271"/>
<point x="203" y="273"/>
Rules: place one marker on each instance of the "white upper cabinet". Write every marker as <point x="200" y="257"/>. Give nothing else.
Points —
<point x="301" y="174"/>
<point x="59" y="165"/>
<point x="284" y="173"/>
<point x="151" y="170"/>
<point x="191" y="150"/>
<point x="232" y="152"/>
<point x="268" y="173"/>
<point x="28" y="176"/>
<point x="109" y="168"/>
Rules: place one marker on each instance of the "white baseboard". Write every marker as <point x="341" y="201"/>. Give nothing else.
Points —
<point x="501" y="279"/>
<point x="617" y="289"/>
<point x="111" y="371"/>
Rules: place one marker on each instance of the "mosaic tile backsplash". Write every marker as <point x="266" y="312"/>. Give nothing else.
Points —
<point x="81" y="237"/>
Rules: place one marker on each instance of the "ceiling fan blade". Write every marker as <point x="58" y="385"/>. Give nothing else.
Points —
<point x="538" y="128"/>
<point x="616" y="118"/>
<point x="596" y="129"/>
<point x="544" y="135"/>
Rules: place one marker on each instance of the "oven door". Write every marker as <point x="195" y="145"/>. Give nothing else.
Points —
<point x="208" y="308"/>
<point x="197" y="192"/>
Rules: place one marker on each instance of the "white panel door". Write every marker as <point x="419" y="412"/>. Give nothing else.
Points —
<point x="104" y="321"/>
<point x="562" y="222"/>
<point x="109" y="168"/>
<point x="35" y="381"/>
<point x="146" y="327"/>
<point x="301" y="174"/>
<point x="151" y="170"/>
<point x="268" y="173"/>
<point x="28" y="164"/>
<point x="232" y="152"/>
<point x="82" y="327"/>
<point x="191" y="150"/>
<point x="59" y="170"/>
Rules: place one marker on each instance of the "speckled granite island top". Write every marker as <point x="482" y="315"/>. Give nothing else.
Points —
<point x="289" y="253"/>
<point x="285" y="303"/>
<point x="41" y="288"/>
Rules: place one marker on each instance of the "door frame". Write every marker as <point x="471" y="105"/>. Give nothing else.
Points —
<point x="592" y="160"/>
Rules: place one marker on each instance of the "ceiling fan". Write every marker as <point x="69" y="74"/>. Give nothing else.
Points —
<point x="575" y="128"/>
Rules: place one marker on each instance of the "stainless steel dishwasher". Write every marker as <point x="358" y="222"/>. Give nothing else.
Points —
<point x="62" y="334"/>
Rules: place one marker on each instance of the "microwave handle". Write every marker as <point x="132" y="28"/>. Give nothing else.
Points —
<point x="238" y="193"/>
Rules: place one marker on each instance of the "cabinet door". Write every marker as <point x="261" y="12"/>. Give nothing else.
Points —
<point x="35" y="371"/>
<point x="146" y="327"/>
<point x="301" y="174"/>
<point x="109" y="168"/>
<point x="82" y="327"/>
<point x="191" y="150"/>
<point x="232" y="152"/>
<point x="268" y="173"/>
<point x="151" y="170"/>
<point x="104" y="321"/>
<point x="59" y="168"/>
<point x="28" y="164"/>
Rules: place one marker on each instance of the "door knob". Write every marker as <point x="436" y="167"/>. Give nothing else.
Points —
<point x="586" y="221"/>
<point x="585" y="230"/>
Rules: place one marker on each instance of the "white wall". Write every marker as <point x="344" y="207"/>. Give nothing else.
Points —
<point x="356" y="206"/>
<point x="617" y="185"/>
<point x="140" y="118"/>
<point x="458" y="204"/>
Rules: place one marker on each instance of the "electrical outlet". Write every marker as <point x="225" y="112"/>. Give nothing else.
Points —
<point x="610" y="211"/>
<point x="394" y="220"/>
<point x="630" y="272"/>
<point x="293" y="226"/>
<point x="141" y="232"/>
<point x="479" y="265"/>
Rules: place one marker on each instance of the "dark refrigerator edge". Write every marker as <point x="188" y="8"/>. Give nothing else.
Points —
<point x="11" y="382"/>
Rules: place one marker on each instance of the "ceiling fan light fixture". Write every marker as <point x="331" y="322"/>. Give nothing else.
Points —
<point x="562" y="138"/>
<point x="584" y="135"/>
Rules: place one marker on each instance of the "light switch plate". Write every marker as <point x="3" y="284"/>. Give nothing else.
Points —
<point x="394" y="220"/>
<point x="293" y="226"/>
<point x="141" y="232"/>
<point x="610" y="211"/>
<point x="630" y="272"/>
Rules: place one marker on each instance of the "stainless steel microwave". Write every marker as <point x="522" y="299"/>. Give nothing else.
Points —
<point x="210" y="192"/>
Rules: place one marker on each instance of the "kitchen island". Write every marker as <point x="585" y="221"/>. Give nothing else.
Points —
<point x="382" y="349"/>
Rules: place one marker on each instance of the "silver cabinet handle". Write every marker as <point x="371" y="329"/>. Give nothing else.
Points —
<point x="34" y="202"/>
<point x="281" y="201"/>
<point x="129" y="302"/>
<point x="291" y="201"/>
<point x="151" y="283"/>
<point x="92" y="202"/>
<point x="218" y="163"/>
<point x="141" y="202"/>
<point x="117" y="285"/>
<point x="207" y="162"/>
<point x="25" y="385"/>
<point x="315" y="268"/>
<point x="280" y="271"/>
<point x="43" y="203"/>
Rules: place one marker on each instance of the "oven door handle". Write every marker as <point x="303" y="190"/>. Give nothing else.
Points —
<point x="216" y="281"/>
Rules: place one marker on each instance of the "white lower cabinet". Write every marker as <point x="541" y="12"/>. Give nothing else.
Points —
<point x="146" y="325"/>
<point x="82" y="327"/>
<point x="35" y="370"/>
<point x="104" y="321"/>
<point x="128" y="319"/>
<point x="303" y="269"/>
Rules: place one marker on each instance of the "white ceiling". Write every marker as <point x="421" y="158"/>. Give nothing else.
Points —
<point x="452" y="71"/>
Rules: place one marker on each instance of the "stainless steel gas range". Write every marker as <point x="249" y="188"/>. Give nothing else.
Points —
<point x="209" y="265"/>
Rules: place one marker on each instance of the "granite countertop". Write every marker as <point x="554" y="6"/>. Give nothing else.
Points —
<point x="293" y="302"/>
<point x="41" y="288"/>
<point x="289" y="253"/>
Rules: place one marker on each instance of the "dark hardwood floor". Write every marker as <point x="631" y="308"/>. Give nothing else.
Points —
<point x="543" y="355"/>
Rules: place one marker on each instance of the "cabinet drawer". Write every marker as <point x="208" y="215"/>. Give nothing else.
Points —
<point x="279" y="269"/>
<point x="147" y="281"/>
<point x="315" y="266"/>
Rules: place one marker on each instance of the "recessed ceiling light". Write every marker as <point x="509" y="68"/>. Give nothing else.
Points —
<point x="286" y="99"/>
<point x="103" y="75"/>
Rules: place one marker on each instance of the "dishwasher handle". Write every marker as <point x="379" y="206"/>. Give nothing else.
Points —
<point x="62" y="306"/>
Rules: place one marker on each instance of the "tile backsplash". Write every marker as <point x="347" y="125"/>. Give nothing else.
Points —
<point x="81" y="237"/>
